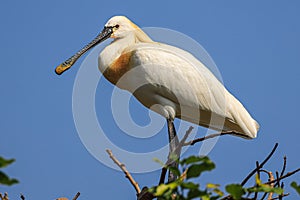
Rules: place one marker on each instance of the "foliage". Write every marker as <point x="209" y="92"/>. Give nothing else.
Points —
<point x="296" y="187"/>
<point x="4" y="179"/>
<point x="186" y="187"/>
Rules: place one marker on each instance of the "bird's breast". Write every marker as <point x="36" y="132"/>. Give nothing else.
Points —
<point x="118" y="68"/>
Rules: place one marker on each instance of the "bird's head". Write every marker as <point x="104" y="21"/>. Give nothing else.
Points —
<point x="116" y="27"/>
<point x="121" y="26"/>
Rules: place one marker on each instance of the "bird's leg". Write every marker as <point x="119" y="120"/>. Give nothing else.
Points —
<point x="174" y="153"/>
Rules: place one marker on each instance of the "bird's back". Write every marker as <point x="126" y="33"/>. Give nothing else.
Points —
<point x="172" y="76"/>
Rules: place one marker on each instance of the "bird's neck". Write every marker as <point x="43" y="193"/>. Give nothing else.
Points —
<point x="114" y="60"/>
<point x="113" y="51"/>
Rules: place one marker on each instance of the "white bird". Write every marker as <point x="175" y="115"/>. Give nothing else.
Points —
<point x="173" y="80"/>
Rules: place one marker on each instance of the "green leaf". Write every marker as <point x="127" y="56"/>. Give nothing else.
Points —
<point x="160" y="190"/>
<point x="235" y="190"/>
<point x="5" y="180"/>
<point x="266" y="188"/>
<point x="206" y="197"/>
<point x="296" y="186"/>
<point x="257" y="180"/>
<point x="197" y="193"/>
<point x="168" y="194"/>
<point x="189" y="185"/>
<point x="158" y="161"/>
<point x="196" y="169"/>
<point x="277" y="190"/>
<point x="175" y="170"/>
<point x="4" y="162"/>
<point x="218" y="192"/>
<point x="212" y="186"/>
<point x="193" y="159"/>
<point x="163" y="188"/>
<point x="152" y="190"/>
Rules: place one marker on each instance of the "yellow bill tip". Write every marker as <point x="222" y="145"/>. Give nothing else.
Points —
<point x="61" y="69"/>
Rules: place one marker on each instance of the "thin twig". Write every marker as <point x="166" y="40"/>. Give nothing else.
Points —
<point x="277" y="177"/>
<point x="283" y="195"/>
<point x="282" y="171"/>
<point x="260" y="166"/>
<point x="186" y="135"/>
<point x="284" y="166"/>
<point x="271" y="178"/>
<point x="22" y="197"/>
<point x="258" y="175"/>
<point x="255" y="170"/>
<point x="76" y="196"/>
<point x="264" y="195"/>
<point x="5" y="197"/>
<point x="162" y="175"/>
<point x="283" y="177"/>
<point x="183" y="175"/>
<point x="123" y="168"/>
<point x="280" y="178"/>
<point x="213" y="136"/>
<point x="145" y="195"/>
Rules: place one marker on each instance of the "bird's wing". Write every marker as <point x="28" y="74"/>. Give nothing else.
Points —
<point x="189" y="84"/>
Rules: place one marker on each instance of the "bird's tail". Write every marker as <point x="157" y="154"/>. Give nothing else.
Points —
<point x="242" y="121"/>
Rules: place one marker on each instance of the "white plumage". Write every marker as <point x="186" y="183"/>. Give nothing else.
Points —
<point x="166" y="79"/>
<point x="172" y="78"/>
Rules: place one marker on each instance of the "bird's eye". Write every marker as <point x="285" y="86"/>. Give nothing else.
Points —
<point x="117" y="26"/>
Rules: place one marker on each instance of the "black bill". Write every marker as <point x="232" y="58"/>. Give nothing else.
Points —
<point x="105" y="33"/>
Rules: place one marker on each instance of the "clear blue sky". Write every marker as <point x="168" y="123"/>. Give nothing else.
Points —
<point x="256" y="46"/>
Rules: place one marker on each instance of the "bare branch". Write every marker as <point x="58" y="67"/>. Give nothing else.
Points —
<point x="260" y="166"/>
<point x="283" y="195"/>
<point x="145" y="195"/>
<point x="284" y="166"/>
<point x="76" y="196"/>
<point x="213" y="136"/>
<point x="123" y="168"/>
<point x="277" y="177"/>
<point x="283" y="177"/>
<point x="186" y="135"/>
<point x="64" y="198"/>
<point x="5" y="197"/>
<point x="258" y="174"/>
<point x="22" y="197"/>
<point x="281" y="173"/>
<point x="271" y="178"/>
<point x="162" y="175"/>
<point x="275" y="180"/>
<point x="183" y="175"/>
<point x="264" y="195"/>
